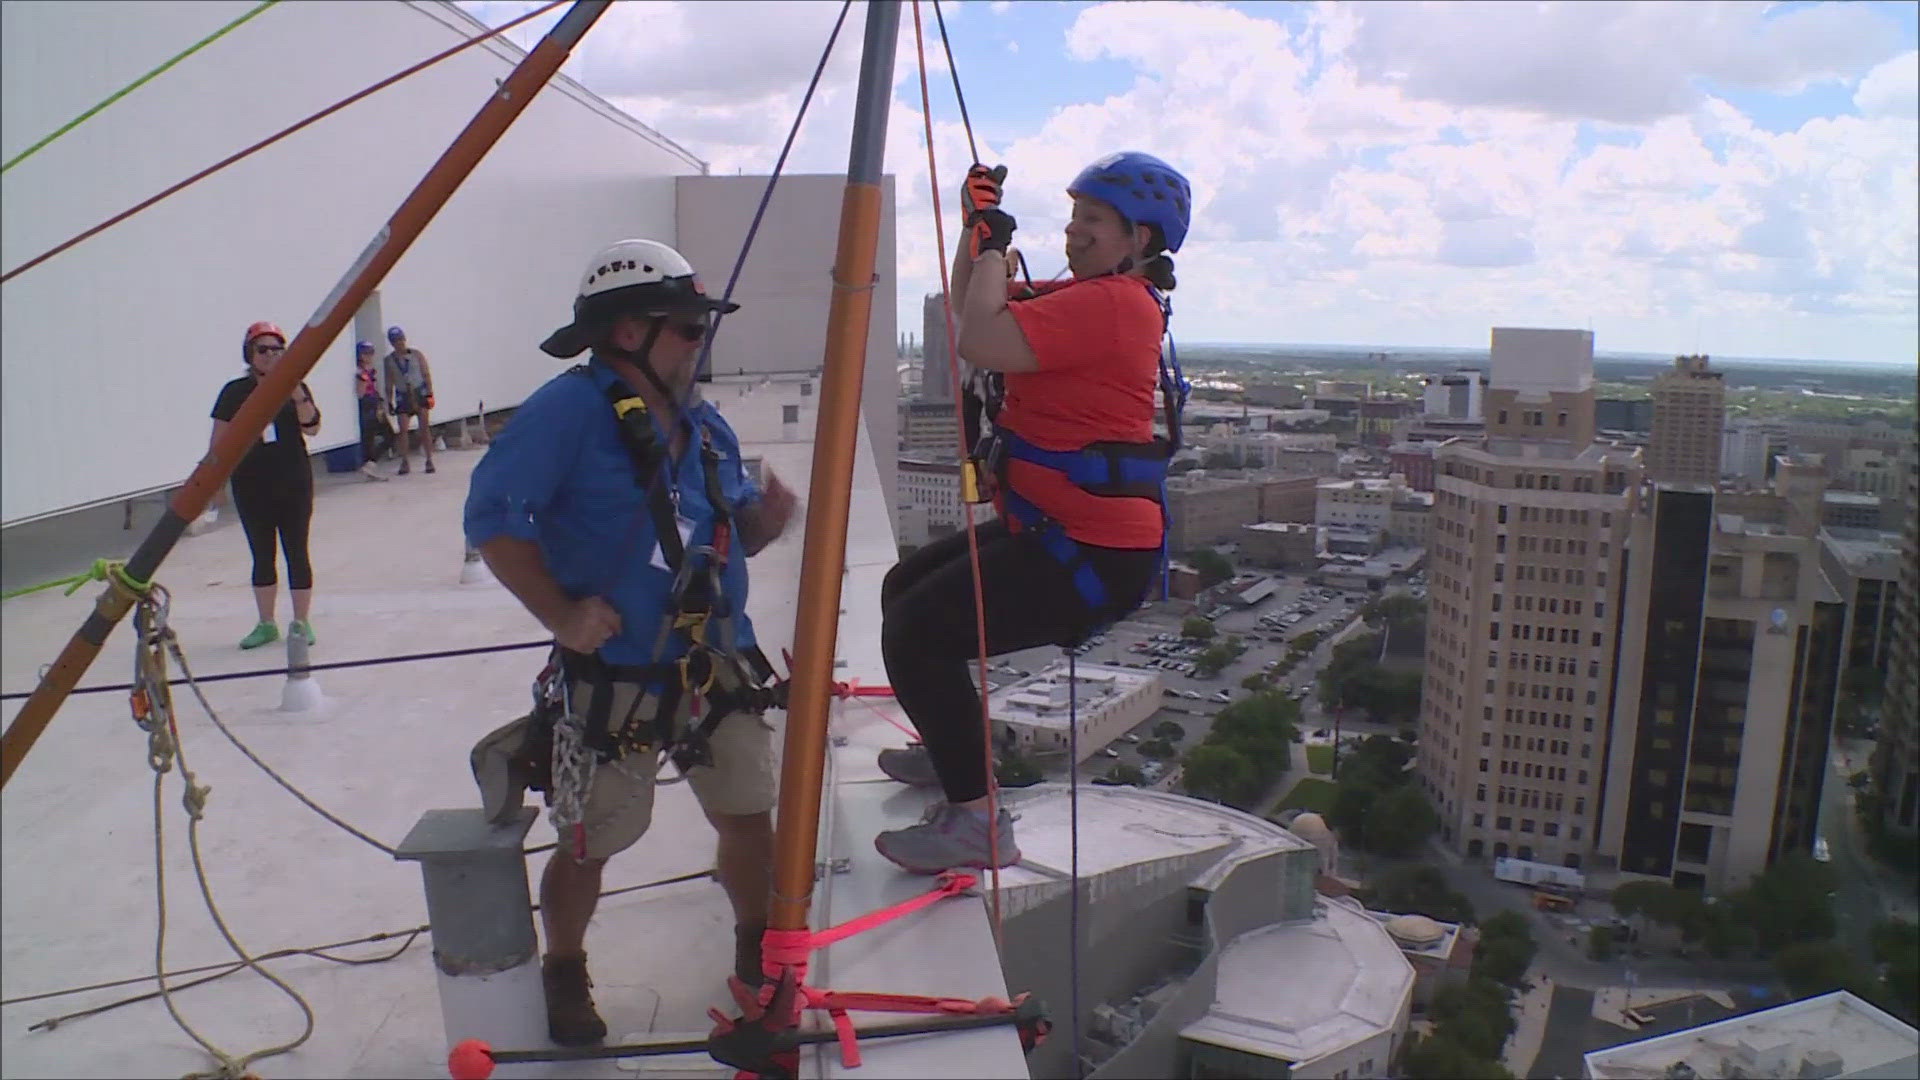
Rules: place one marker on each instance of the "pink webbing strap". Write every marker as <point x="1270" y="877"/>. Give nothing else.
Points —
<point x="783" y="949"/>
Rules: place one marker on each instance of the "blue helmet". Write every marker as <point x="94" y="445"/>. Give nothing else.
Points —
<point x="1144" y="189"/>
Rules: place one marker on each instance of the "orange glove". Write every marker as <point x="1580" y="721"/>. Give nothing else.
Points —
<point x="980" y="192"/>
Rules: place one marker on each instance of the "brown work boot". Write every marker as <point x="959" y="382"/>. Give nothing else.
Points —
<point x="746" y="953"/>
<point x="571" y="1018"/>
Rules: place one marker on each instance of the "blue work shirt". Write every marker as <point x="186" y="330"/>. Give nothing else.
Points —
<point x="559" y="475"/>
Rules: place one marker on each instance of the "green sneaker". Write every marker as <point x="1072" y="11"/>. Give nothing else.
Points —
<point x="303" y="628"/>
<point x="264" y="633"/>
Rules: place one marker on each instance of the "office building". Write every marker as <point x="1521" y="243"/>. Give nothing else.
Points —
<point x="936" y="373"/>
<point x="1689" y="419"/>
<point x="1524" y="559"/>
<point x="1835" y="1036"/>
<point x="1731" y="648"/>
<point x="1896" y="761"/>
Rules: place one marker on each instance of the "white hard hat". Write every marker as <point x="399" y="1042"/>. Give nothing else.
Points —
<point x="631" y="277"/>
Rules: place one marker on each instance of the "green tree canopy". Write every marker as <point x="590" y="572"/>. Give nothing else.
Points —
<point x="1196" y="628"/>
<point x="1212" y="566"/>
<point x="1400" y="821"/>
<point x="1217" y="772"/>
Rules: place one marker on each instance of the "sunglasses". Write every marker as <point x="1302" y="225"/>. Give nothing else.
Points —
<point x="268" y="350"/>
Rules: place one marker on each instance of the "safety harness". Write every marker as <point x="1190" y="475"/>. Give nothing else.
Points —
<point x="1108" y="469"/>
<point x="717" y="675"/>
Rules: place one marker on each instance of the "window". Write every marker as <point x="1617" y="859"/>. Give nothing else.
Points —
<point x="1496" y="601"/>
<point x="1493" y="631"/>
<point x="1500" y="544"/>
<point x="1503" y="823"/>
<point x="1526" y="824"/>
<point x="1483" y="764"/>
<point x="1575" y="834"/>
<point x="1563" y="419"/>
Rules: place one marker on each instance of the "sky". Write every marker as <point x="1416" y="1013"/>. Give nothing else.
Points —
<point x="1733" y="178"/>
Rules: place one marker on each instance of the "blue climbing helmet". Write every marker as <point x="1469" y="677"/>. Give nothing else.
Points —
<point x="1144" y="189"/>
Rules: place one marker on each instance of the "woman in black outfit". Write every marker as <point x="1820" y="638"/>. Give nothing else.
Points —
<point x="273" y="487"/>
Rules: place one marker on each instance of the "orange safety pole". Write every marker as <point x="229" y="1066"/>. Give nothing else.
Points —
<point x="836" y="434"/>
<point x="503" y="106"/>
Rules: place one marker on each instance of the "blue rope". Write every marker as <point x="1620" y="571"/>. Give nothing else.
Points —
<point x="766" y="199"/>
<point x="1073" y="820"/>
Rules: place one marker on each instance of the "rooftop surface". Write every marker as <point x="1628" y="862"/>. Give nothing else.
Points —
<point x="76" y="822"/>
<point x="1041" y="699"/>
<point x="1866" y="1042"/>
<point x="1345" y="980"/>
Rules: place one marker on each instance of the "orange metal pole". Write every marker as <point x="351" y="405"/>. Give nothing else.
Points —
<point x="823" y="560"/>
<point x="506" y="103"/>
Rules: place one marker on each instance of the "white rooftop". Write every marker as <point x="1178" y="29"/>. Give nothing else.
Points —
<point x="76" y="831"/>
<point x="1837" y="1030"/>
<point x="1305" y="990"/>
<point x="1042" y="699"/>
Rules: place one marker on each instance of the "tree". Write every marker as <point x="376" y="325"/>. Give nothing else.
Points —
<point x="1400" y="821"/>
<point x="1217" y="772"/>
<point x="1222" y="459"/>
<point x="1475" y="1014"/>
<point x="1393" y="608"/>
<point x="1441" y="1057"/>
<point x="1600" y="942"/>
<point x="1015" y="770"/>
<point x="1790" y="902"/>
<point x="1815" y="967"/>
<point x="1506" y="948"/>
<point x="1157" y="749"/>
<point x="1419" y="889"/>
<point x="1123" y="773"/>
<point x="1212" y="566"/>
<point x="1896" y="946"/>
<point x="1256" y="682"/>
<point x="1169" y="730"/>
<point x="1196" y="628"/>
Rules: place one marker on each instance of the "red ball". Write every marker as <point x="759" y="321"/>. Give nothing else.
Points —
<point x="472" y="1059"/>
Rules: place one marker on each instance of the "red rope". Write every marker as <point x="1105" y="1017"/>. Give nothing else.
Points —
<point x="973" y="536"/>
<point x="271" y="139"/>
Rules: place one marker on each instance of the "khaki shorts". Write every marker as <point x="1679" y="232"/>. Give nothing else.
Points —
<point x="620" y="804"/>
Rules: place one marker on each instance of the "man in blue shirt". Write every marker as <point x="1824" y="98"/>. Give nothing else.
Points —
<point x="558" y="511"/>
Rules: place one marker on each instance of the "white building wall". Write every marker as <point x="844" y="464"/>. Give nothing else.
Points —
<point x="1541" y="361"/>
<point x="786" y="288"/>
<point x="114" y="351"/>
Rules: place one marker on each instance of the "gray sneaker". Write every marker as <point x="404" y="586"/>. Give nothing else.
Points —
<point x="949" y="837"/>
<point x="912" y="766"/>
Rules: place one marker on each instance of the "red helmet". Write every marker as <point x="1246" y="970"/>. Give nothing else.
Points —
<point x="261" y="329"/>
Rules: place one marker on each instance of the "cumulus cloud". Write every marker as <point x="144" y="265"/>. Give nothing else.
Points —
<point x="1625" y="62"/>
<point x="1892" y="90"/>
<point x="1393" y="173"/>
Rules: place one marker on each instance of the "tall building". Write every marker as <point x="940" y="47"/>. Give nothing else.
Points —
<point x="936" y="374"/>
<point x="1524" y="558"/>
<point x="1456" y="395"/>
<point x="1732" y="640"/>
<point x="1896" y="763"/>
<point x="1689" y="417"/>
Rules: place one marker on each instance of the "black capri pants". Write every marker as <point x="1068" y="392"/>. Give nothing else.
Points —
<point x="278" y="511"/>
<point x="929" y="632"/>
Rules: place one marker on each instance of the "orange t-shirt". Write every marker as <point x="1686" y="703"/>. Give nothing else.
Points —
<point x="1098" y="343"/>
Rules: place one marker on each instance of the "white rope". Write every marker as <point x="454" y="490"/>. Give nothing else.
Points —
<point x="163" y="748"/>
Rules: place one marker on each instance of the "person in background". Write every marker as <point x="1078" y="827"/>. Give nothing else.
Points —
<point x="273" y="487"/>
<point x="410" y="388"/>
<point x="376" y="437"/>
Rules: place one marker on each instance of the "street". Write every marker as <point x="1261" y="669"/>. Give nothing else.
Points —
<point x="1864" y="892"/>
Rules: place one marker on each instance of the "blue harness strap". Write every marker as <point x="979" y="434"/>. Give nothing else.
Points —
<point x="1137" y="470"/>
<point x="1053" y="536"/>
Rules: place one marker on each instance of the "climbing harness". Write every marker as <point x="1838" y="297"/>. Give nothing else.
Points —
<point x="1107" y="469"/>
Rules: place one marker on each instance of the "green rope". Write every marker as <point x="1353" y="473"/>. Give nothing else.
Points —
<point x="137" y="84"/>
<point x="101" y="570"/>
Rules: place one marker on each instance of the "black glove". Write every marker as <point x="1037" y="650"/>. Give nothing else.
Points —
<point x="992" y="230"/>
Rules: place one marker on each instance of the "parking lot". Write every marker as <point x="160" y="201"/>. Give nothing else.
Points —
<point x="1150" y="641"/>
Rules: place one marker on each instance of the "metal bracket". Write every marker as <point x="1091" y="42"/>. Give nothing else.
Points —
<point x="839" y="866"/>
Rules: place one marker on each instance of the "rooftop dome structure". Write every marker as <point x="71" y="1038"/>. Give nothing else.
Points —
<point x="1414" y="930"/>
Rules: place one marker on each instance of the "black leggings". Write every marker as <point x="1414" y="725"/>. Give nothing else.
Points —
<point x="928" y="632"/>
<point x="376" y="438"/>
<point x="280" y="510"/>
